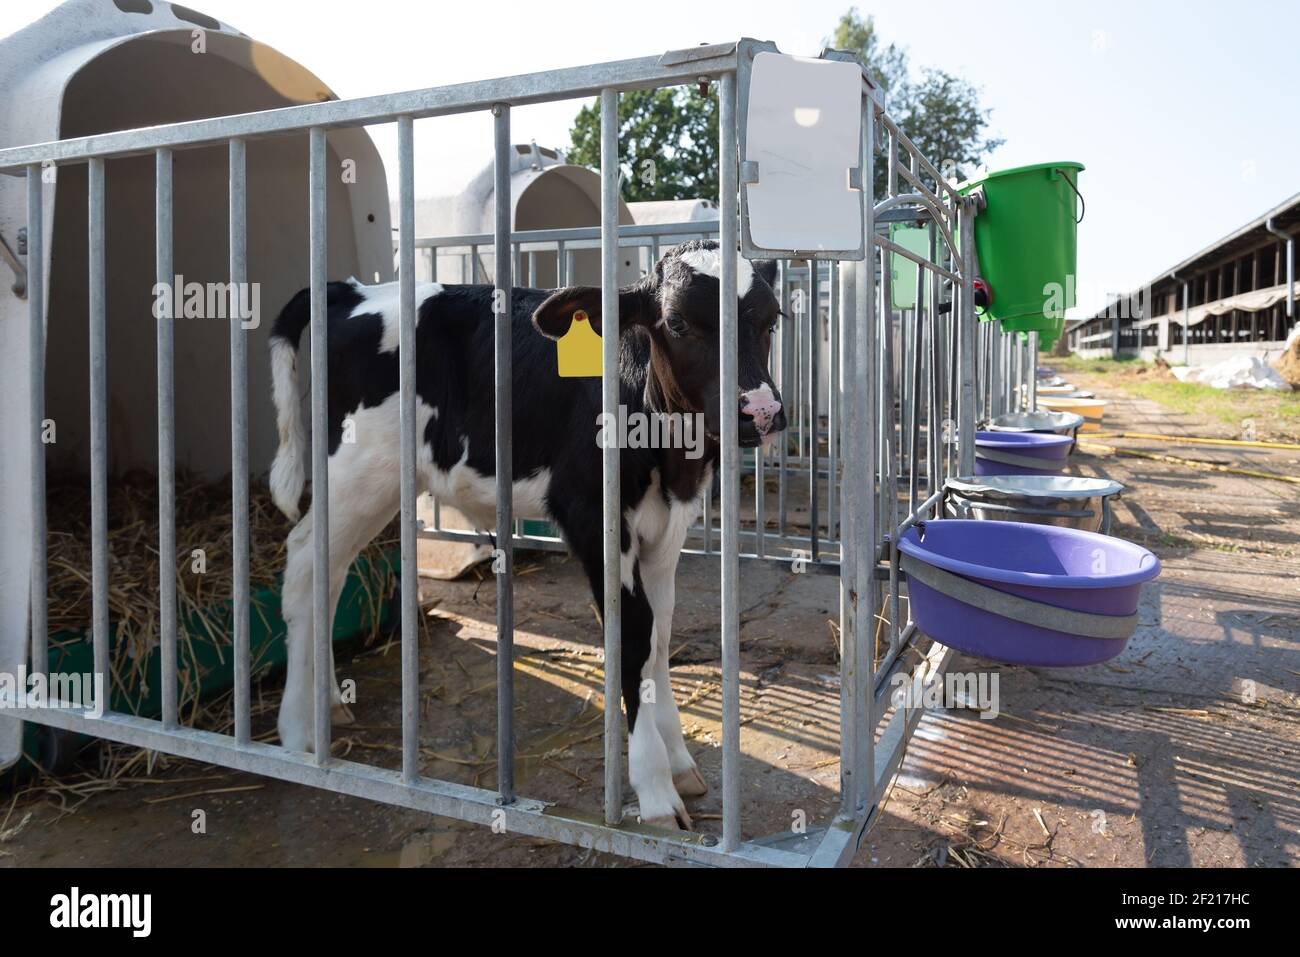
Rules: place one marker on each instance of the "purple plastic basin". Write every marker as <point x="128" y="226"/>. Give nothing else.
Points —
<point x="1062" y="567"/>
<point x="1054" y="450"/>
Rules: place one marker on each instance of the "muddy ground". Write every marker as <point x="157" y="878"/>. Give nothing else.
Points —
<point x="1185" y="751"/>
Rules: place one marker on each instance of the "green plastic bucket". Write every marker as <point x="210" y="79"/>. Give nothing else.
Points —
<point x="1025" y="324"/>
<point x="1027" y="240"/>
<point x="1048" y="339"/>
<point x="1043" y="325"/>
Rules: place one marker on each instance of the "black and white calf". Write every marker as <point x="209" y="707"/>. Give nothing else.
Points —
<point x="668" y="364"/>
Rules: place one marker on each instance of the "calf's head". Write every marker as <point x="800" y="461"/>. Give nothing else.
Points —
<point x="677" y="304"/>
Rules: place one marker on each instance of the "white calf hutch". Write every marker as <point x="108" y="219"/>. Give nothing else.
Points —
<point x="92" y="67"/>
<point x="873" y="450"/>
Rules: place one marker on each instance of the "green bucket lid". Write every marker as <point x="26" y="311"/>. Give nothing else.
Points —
<point x="970" y="184"/>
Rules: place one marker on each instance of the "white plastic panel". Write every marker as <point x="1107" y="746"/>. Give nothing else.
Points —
<point x="803" y="130"/>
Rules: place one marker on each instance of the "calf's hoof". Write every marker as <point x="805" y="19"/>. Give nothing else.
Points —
<point x="678" y="820"/>
<point x="294" y="738"/>
<point x="690" y="783"/>
<point x="341" y="715"/>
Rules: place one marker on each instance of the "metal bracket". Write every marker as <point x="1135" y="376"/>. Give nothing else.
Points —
<point x="977" y="199"/>
<point x="19" y="286"/>
<point x="705" y="51"/>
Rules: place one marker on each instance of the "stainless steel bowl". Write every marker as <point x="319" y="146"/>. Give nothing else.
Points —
<point x="1065" y="500"/>
<point x="1061" y="423"/>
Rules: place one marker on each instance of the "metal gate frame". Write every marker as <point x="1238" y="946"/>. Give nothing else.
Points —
<point x="863" y="478"/>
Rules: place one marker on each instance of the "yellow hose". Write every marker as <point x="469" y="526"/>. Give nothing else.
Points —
<point x="1197" y="440"/>
<point x="1191" y="463"/>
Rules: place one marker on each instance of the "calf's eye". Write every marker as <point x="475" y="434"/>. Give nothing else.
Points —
<point x="677" y="326"/>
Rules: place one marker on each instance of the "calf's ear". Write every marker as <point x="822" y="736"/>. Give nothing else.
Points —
<point x="767" y="269"/>
<point x="554" y="316"/>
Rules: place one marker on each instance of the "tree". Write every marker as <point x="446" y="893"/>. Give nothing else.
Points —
<point x="667" y="139"/>
<point x="937" y="111"/>
<point x="887" y="64"/>
<point x="667" y="143"/>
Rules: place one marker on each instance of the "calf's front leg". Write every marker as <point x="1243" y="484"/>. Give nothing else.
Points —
<point x="659" y="578"/>
<point x="650" y="767"/>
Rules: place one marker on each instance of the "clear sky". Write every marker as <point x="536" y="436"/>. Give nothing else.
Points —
<point x="1183" y="112"/>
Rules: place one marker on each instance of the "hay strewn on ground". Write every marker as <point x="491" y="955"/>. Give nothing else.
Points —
<point x="1289" y="363"/>
<point x="203" y="521"/>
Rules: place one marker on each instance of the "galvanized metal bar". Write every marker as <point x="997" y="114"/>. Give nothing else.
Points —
<point x="241" y="540"/>
<point x="966" y="340"/>
<point x="526" y="817"/>
<point x="883" y="411"/>
<point x="504" y="564"/>
<point x="913" y="373"/>
<point x="1022" y="367"/>
<point x="814" y="415"/>
<point x="783" y="451"/>
<point x="98" y="314"/>
<point x="36" y="398"/>
<point x="475" y="96"/>
<point x="889" y="471"/>
<point x="729" y="492"/>
<point x="610" y="492"/>
<point x="1031" y="376"/>
<point x="833" y="406"/>
<point x="995" y="357"/>
<point x="796" y="335"/>
<point x="407" y="422"/>
<point x="934" y="414"/>
<point x="952" y="372"/>
<point x="322" y="613"/>
<point x="645" y="235"/>
<point x="850" y="493"/>
<point x="929" y="266"/>
<point x="867" y="537"/>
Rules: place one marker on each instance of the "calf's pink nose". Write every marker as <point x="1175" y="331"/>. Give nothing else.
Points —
<point x="762" y="406"/>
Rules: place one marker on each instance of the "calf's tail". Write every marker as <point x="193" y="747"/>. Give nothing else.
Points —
<point x="288" y="473"/>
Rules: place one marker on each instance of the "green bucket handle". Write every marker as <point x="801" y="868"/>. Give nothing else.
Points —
<point x="1083" y="207"/>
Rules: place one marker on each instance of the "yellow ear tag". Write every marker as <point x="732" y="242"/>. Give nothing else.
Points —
<point x="579" y="350"/>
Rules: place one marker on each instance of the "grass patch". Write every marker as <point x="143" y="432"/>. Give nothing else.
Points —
<point x="1274" y="415"/>
<point x="1272" y="411"/>
<point x="1065" y="364"/>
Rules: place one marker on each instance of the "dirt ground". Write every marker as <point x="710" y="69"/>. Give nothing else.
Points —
<point x="1185" y="751"/>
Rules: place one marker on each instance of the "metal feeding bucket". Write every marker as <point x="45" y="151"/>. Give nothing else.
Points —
<point x="1060" y="423"/>
<point x="1063" y="500"/>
